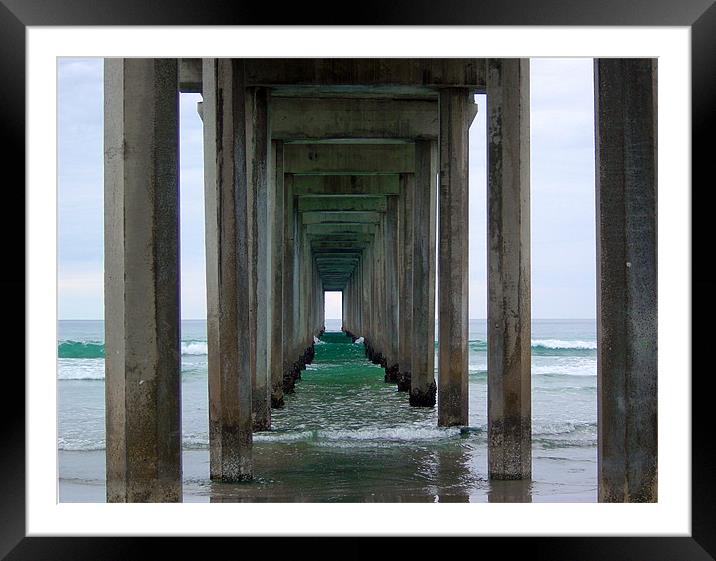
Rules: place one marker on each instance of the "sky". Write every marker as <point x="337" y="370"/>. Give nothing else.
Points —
<point x="563" y="246"/>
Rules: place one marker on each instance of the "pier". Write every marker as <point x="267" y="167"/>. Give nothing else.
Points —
<point x="351" y="175"/>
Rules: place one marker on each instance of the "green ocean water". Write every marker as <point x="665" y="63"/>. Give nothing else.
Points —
<point x="346" y="435"/>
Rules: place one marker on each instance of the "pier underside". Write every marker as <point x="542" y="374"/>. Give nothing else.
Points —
<point x="345" y="175"/>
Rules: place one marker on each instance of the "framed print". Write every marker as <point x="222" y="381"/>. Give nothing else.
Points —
<point x="306" y="196"/>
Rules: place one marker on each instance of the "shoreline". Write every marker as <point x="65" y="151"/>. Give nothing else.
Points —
<point x="556" y="478"/>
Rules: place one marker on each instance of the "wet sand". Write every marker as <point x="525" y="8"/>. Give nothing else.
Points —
<point x="373" y="475"/>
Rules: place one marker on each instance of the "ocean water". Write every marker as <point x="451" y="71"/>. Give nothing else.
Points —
<point x="345" y="435"/>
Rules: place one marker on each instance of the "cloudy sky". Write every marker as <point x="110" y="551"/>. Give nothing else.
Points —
<point x="562" y="196"/>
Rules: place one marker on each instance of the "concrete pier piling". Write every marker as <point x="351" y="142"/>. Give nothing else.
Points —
<point x="626" y="188"/>
<point x="328" y="175"/>
<point x="227" y="271"/>
<point x="422" y="379"/>
<point x="453" y="256"/>
<point x="405" y="281"/>
<point x="276" y="306"/>
<point x="142" y="332"/>
<point x="509" y="401"/>
<point x="258" y="146"/>
<point x="392" y="301"/>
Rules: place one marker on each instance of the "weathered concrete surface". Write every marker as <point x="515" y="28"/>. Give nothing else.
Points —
<point x="361" y="72"/>
<point x="344" y="216"/>
<point x="453" y="263"/>
<point x="330" y="203"/>
<point x="258" y="147"/>
<point x="346" y="185"/>
<point x="227" y="271"/>
<point x="276" y="246"/>
<point x="190" y="70"/>
<point x="142" y="330"/>
<point x="328" y="232"/>
<point x="288" y="282"/>
<point x="422" y="381"/>
<point x="626" y="195"/>
<point x="508" y="263"/>
<point x="392" y="301"/>
<point x="375" y="344"/>
<point x="405" y="280"/>
<point x="310" y="119"/>
<point x="348" y="159"/>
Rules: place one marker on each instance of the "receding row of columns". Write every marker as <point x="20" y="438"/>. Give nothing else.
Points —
<point x="264" y="296"/>
<point x="265" y="290"/>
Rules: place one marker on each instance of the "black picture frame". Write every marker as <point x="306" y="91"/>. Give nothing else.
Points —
<point x="16" y="15"/>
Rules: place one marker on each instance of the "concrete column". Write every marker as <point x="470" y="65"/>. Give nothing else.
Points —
<point x="258" y="144"/>
<point x="355" y="299"/>
<point x="422" y="379"/>
<point x="141" y="282"/>
<point x="307" y="280"/>
<point x="392" y="302"/>
<point x="288" y="273"/>
<point x="378" y="302"/>
<point x="313" y="300"/>
<point x="359" y="295"/>
<point x="320" y="316"/>
<point x="305" y="286"/>
<point x="227" y="270"/>
<point x="405" y="281"/>
<point x="275" y="324"/>
<point x="626" y="184"/>
<point x="508" y="264"/>
<point x="453" y="257"/>
<point x="368" y="297"/>
<point x="357" y="291"/>
<point x="346" y="304"/>
<point x="297" y="272"/>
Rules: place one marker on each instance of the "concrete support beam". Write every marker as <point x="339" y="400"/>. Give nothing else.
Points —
<point x="142" y="331"/>
<point x="344" y="216"/>
<point x="363" y="72"/>
<point x="422" y="381"/>
<point x="276" y="248"/>
<point x="346" y="185"/>
<point x="345" y="267"/>
<point x="349" y="254"/>
<point x="338" y="204"/>
<point x="310" y="119"/>
<point x="332" y="231"/>
<point x="347" y="242"/>
<point x="258" y="145"/>
<point x="349" y="159"/>
<point x="626" y="196"/>
<point x="332" y="245"/>
<point x="453" y="254"/>
<point x="227" y="271"/>
<point x="508" y="262"/>
<point x="190" y="70"/>
<point x="405" y="280"/>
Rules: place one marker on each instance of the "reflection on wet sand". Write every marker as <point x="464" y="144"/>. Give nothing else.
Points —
<point x="517" y="491"/>
<point x="354" y="474"/>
